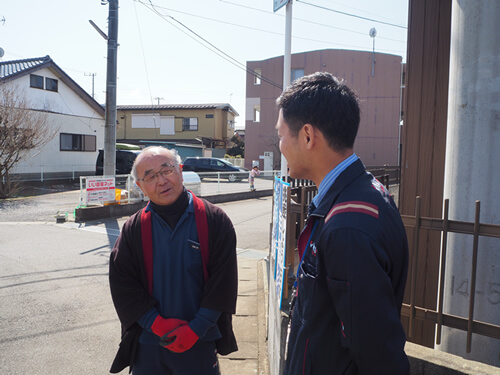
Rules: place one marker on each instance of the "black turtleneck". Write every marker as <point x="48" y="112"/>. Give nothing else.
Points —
<point x="172" y="213"/>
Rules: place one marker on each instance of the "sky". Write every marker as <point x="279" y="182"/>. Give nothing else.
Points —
<point x="190" y="51"/>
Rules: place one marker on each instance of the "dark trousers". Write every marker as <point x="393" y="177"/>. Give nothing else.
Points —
<point x="201" y="359"/>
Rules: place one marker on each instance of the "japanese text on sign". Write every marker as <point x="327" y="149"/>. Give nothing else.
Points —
<point x="279" y="234"/>
<point x="100" y="189"/>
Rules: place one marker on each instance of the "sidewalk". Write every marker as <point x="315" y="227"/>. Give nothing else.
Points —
<point x="249" y="323"/>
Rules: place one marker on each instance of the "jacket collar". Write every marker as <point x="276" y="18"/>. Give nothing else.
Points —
<point x="352" y="172"/>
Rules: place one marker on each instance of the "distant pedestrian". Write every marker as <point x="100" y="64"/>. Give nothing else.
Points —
<point x="254" y="172"/>
<point x="173" y="276"/>
<point x="353" y="249"/>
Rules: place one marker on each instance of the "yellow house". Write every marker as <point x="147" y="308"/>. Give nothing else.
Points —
<point x="211" y="125"/>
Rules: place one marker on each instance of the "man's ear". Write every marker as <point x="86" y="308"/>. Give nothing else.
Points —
<point x="309" y="135"/>
<point x="139" y="183"/>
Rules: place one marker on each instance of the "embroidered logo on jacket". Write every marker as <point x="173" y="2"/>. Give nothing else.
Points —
<point x="353" y="206"/>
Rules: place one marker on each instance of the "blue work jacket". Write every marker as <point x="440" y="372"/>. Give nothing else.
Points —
<point x="351" y="282"/>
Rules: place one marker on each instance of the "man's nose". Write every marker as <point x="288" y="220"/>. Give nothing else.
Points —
<point x="162" y="178"/>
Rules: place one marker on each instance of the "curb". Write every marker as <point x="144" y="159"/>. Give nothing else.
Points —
<point x="262" y="316"/>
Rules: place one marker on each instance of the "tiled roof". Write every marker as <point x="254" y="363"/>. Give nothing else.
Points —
<point x="156" y="107"/>
<point x="172" y="106"/>
<point x="14" y="67"/>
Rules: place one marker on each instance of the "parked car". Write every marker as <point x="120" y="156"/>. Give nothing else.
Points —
<point x="215" y="168"/>
<point x="124" y="161"/>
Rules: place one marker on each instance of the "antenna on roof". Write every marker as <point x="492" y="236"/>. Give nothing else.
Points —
<point x="3" y="21"/>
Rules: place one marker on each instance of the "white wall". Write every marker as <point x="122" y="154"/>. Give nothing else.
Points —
<point x="68" y="113"/>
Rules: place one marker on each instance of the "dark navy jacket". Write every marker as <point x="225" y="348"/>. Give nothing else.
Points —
<point x="351" y="282"/>
<point x="129" y="285"/>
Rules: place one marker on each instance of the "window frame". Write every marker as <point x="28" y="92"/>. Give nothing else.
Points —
<point x="83" y="142"/>
<point x="294" y="74"/>
<point x="189" y="126"/>
<point x="257" y="77"/>
<point x="256" y="113"/>
<point x="39" y="79"/>
<point x="53" y="81"/>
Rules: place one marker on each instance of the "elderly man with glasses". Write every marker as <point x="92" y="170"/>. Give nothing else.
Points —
<point x="173" y="276"/>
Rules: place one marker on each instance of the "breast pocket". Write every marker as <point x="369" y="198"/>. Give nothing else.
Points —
<point x="307" y="287"/>
<point x="193" y="259"/>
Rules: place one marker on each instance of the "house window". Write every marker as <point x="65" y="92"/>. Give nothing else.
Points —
<point x="89" y="142"/>
<point x="257" y="76"/>
<point x="36" y="81"/>
<point x="189" y="123"/>
<point x="296" y="74"/>
<point x="256" y="113"/>
<point x="51" y="84"/>
<point x="77" y="142"/>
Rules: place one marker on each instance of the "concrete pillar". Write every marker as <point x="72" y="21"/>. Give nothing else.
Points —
<point x="472" y="171"/>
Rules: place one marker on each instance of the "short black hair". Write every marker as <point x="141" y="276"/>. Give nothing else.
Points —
<point x="325" y="102"/>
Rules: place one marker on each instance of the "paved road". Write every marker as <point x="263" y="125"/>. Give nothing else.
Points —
<point x="56" y="315"/>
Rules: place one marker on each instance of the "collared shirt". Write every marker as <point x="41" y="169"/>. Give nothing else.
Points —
<point x="330" y="178"/>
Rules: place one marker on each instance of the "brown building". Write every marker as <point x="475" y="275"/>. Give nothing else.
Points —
<point x="375" y="77"/>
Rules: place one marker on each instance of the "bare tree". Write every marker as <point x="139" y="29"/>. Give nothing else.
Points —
<point x="23" y="132"/>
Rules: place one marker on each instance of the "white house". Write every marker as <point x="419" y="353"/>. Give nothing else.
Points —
<point x="77" y="118"/>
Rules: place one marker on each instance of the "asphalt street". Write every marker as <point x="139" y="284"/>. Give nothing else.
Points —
<point x="56" y="315"/>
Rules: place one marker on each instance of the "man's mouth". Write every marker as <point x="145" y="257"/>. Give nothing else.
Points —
<point x="165" y="191"/>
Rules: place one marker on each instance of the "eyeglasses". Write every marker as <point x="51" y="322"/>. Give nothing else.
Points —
<point x="153" y="177"/>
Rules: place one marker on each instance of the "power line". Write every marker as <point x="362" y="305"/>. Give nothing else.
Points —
<point x="352" y="15"/>
<point x="277" y="33"/>
<point x="295" y="18"/>
<point x="213" y="48"/>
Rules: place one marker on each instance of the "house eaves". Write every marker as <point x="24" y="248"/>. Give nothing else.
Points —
<point x="12" y="70"/>
<point x="154" y="107"/>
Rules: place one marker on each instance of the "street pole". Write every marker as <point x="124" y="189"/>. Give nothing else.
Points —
<point x="110" y="121"/>
<point x="91" y="75"/>
<point x="287" y="71"/>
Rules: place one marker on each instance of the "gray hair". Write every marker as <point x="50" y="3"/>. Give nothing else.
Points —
<point x="155" y="150"/>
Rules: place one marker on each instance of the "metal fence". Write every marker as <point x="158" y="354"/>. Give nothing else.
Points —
<point x="438" y="317"/>
<point x="43" y="173"/>
<point x="218" y="183"/>
<point x="206" y="184"/>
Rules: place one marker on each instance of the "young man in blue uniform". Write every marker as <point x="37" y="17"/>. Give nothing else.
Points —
<point x="173" y="298"/>
<point x="353" y="250"/>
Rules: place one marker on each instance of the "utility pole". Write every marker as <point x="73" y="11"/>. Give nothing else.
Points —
<point x="157" y="98"/>
<point x="110" y="121"/>
<point x="91" y="75"/>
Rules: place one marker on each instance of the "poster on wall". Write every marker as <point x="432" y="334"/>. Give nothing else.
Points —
<point x="100" y="189"/>
<point x="278" y="252"/>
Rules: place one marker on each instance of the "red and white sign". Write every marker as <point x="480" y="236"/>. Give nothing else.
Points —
<point x="100" y="189"/>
